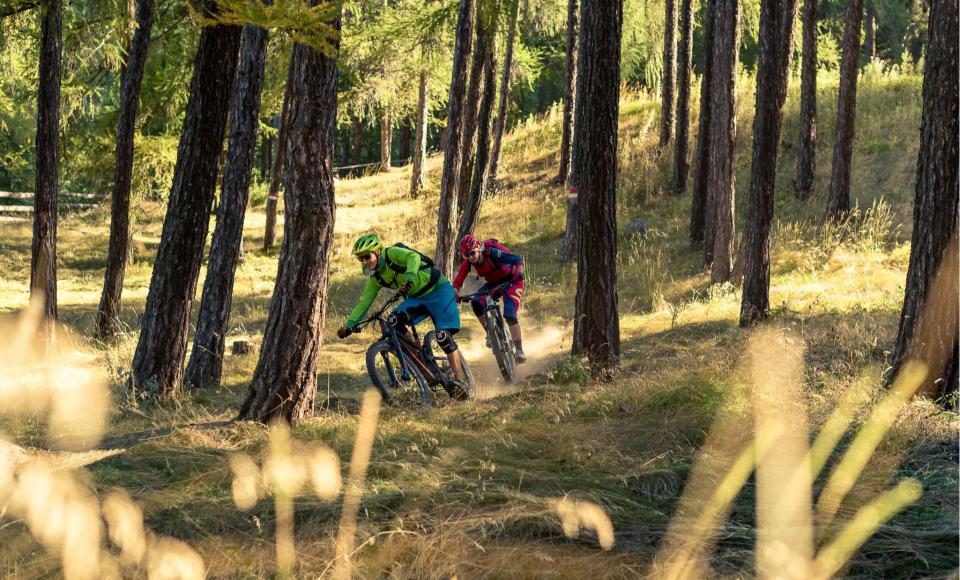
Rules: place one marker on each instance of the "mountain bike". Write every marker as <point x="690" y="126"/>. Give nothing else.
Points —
<point x="401" y="366"/>
<point x="498" y="335"/>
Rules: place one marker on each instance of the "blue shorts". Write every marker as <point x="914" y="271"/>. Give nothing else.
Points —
<point x="440" y="305"/>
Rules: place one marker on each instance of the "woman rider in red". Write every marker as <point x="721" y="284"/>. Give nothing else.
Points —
<point x="496" y="264"/>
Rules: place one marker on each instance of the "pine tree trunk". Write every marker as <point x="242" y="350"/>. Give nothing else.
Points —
<point x="775" y="52"/>
<point x="928" y="323"/>
<point x="681" y="164"/>
<point x="596" y="331"/>
<point x="266" y="152"/>
<point x="504" y="92"/>
<point x="420" y="141"/>
<point x="270" y="232"/>
<point x="838" y="200"/>
<point x="807" y="151"/>
<point x="569" y="84"/>
<point x="471" y="111"/>
<point x="669" y="72"/>
<point x="357" y="140"/>
<point x="284" y="384"/>
<point x="870" y="34"/>
<point x="206" y="360"/>
<point x="43" y="262"/>
<point x="701" y="163"/>
<point x="719" y="230"/>
<point x="386" y="140"/>
<point x="570" y="244"/>
<point x="478" y="185"/>
<point x="449" y="183"/>
<point x="158" y="362"/>
<point x="405" y="142"/>
<point x="109" y="311"/>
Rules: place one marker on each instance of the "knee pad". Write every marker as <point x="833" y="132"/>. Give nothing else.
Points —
<point x="477" y="307"/>
<point x="511" y="320"/>
<point x="446" y="342"/>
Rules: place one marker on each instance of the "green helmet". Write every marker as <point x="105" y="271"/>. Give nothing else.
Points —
<point x="366" y="244"/>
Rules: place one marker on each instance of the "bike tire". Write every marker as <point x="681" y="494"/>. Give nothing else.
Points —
<point x="454" y="389"/>
<point x="500" y="344"/>
<point x="385" y="370"/>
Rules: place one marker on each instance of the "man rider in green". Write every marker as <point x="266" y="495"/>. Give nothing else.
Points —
<point x="426" y="290"/>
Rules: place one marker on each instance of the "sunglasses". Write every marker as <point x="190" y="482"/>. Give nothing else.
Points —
<point x="364" y="257"/>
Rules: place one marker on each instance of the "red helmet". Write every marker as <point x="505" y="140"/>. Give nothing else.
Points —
<point x="469" y="243"/>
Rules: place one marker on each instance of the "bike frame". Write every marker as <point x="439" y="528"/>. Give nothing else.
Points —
<point x="408" y="351"/>
<point x="493" y="303"/>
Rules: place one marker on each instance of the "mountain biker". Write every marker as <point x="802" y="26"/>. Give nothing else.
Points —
<point x="497" y="265"/>
<point x="426" y="290"/>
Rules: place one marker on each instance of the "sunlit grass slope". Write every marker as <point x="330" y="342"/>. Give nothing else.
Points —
<point x="466" y="489"/>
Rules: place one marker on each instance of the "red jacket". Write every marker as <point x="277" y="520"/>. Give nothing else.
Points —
<point x="498" y="264"/>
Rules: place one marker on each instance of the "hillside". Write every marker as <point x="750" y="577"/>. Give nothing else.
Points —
<point x="471" y="489"/>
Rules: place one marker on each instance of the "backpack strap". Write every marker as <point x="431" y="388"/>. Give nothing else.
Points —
<point x="434" y="277"/>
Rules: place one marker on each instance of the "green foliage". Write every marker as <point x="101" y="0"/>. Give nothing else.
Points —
<point x="310" y="25"/>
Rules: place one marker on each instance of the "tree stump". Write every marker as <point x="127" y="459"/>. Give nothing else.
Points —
<point x="240" y="348"/>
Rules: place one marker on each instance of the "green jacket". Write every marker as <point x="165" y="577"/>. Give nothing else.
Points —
<point x="397" y="256"/>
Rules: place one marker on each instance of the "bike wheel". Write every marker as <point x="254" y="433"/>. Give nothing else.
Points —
<point x="502" y="346"/>
<point x="387" y="374"/>
<point x="438" y="360"/>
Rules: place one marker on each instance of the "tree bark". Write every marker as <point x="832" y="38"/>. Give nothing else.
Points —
<point x="284" y="384"/>
<point x="570" y="245"/>
<point x="669" y="72"/>
<point x="775" y="52"/>
<point x="405" y="141"/>
<point x="266" y="151"/>
<point x="838" y="200"/>
<point x="270" y="232"/>
<point x="870" y="34"/>
<point x="420" y="141"/>
<point x="719" y="230"/>
<point x="807" y="151"/>
<point x="569" y="84"/>
<point x="478" y="185"/>
<point x="596" y="332"/>
<point x="109" y="311"/>
<point x="206" y="360"/>
<point x="158" y="362"/>
<point x="386" y="140"/>
<point x="504" y="92"/>
<point x="43" y="255"/>
<point x="928" y="322"/>
<point x="449" y="183"/>
<point x="698" y="204"/>
<point x="471" y="109"/>
<point x="681" y="164"/>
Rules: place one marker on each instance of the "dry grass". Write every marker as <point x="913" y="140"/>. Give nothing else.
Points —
<point x="470" y="490"/>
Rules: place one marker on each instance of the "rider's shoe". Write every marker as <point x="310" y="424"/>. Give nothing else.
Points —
<point x="521" y="358"/>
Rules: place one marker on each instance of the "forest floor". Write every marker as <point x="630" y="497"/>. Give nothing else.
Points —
<point x="470" y="489"/>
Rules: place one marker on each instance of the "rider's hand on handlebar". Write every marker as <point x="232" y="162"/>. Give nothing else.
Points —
<point x="344" y="332"/>
<point x="518" y="276"/>
<point x="458" y="297"/>
<point x="405" y="287"/>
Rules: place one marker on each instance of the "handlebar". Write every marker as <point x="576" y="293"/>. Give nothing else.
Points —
<point x="502" y="286"/>
<point x="376" y="315"/>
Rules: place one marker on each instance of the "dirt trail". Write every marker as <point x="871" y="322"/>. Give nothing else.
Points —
<point x="541" y="345"/>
